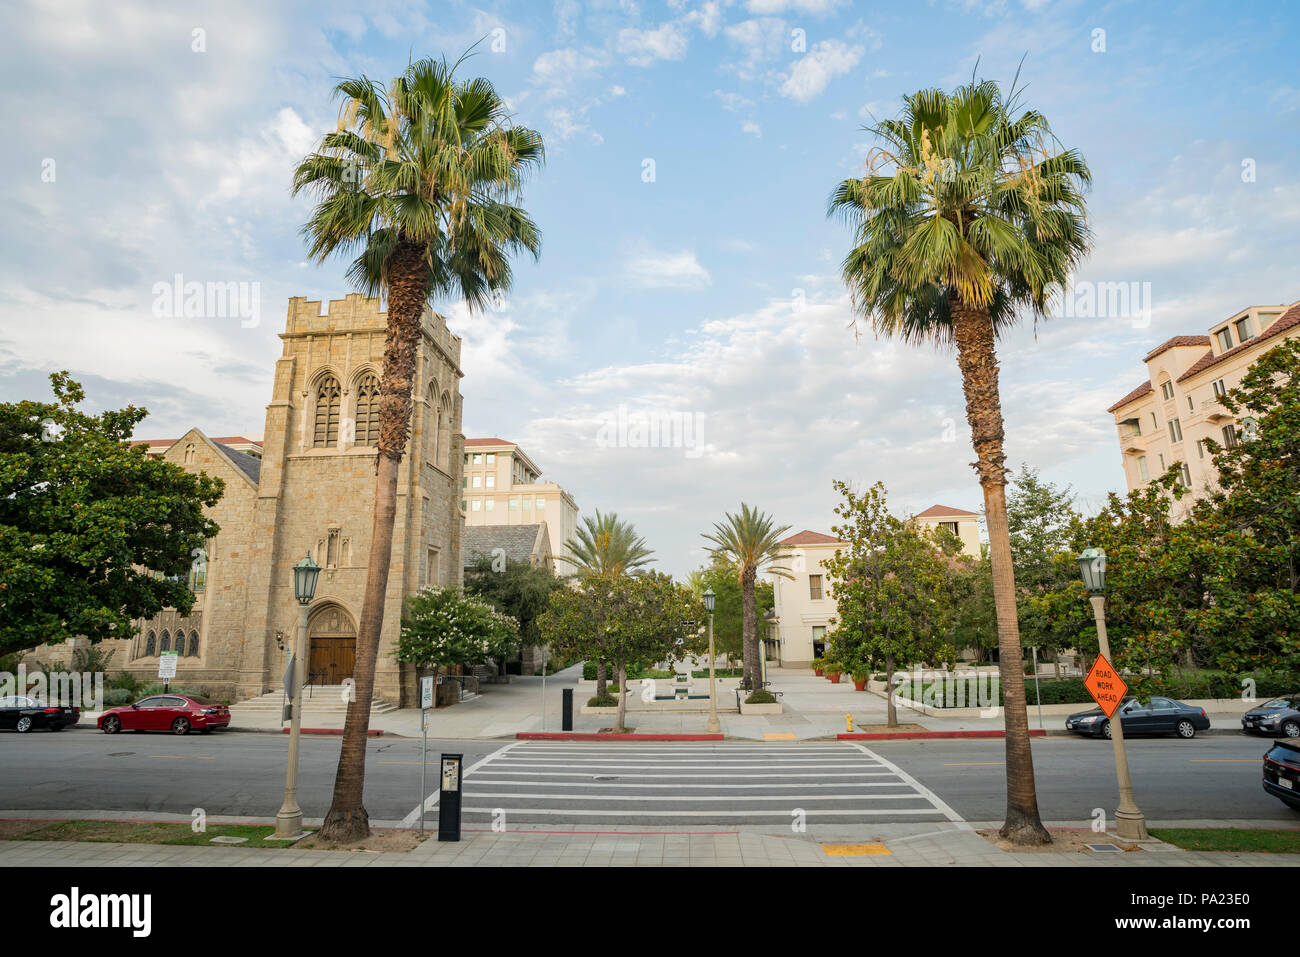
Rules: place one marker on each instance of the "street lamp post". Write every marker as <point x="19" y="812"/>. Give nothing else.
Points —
<point x="710" y="601"/>
<point x="288" y="823"/>
<point x="1129" y="821"/>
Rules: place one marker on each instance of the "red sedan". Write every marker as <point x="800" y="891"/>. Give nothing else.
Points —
<point x="166" y="712"/>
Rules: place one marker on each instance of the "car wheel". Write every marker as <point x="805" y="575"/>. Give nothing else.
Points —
<point x="1105" y="730"/>
<point x="24" y="723"/>
<point x="181" y="726"/>
<point x="1291" y="729"/>
<point x="112" y="724"/>
<point x="1186" y="729"/>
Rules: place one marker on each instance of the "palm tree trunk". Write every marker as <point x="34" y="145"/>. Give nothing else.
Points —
<point x="622" y="698"/>
<point x="749" y="618"/>
<point x="890" y="691"/>
<point x="347" y="819"/>
<point x="972" y="329"/>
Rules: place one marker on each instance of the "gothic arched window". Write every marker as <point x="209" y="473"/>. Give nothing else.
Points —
<point x="328" y="399"/>
<point x="151" y="645"/>
<point x="368" y="411"/>
<point x="194" y="644"/>
<point x="166" y="642"/>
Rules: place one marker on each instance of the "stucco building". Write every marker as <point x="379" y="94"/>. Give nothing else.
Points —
<point x="311" y="490"/>
<point x="502" y="485"/>
<point x="1167" y="418"/>
<point x="805" y="605"/>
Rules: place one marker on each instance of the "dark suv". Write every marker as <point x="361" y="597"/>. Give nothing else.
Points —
<point x="1282" y="771"/>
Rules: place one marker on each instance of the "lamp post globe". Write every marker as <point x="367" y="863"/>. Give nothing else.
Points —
<point x="305" y="574"/>
<point x="1092" y="565"/>
<point x="710" y="600"/>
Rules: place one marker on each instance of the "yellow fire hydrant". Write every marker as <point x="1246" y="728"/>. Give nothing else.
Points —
<point x="848" y="721"/>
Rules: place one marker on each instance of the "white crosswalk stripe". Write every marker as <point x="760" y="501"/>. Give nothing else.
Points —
<point x="690" y="782"/>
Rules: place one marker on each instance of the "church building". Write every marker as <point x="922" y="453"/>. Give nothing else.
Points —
<point x="311" y="491"/>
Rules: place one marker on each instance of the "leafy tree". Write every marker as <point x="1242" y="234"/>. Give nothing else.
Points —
<point x="966" y="217"/>
<point x="518" y="589"/>
<point x="420" y="182"/>
<point x="607" y="547"/>
<point x="444" y="627"/>
<point x="728" y="609"/>
<point x="891" y="589"/>
<point x="93" y="532"/>
<point x="750" y="542"/>
<point x="620" y="619"/>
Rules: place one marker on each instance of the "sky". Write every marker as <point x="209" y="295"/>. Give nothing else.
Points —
<point x="689" y="273"/>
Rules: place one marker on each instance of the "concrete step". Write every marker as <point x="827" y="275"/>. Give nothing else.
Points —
<point x="324" y="700"/>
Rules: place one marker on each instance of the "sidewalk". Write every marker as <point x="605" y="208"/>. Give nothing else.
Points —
<point x="880" y="845"/>
<point x="812" y="707"/>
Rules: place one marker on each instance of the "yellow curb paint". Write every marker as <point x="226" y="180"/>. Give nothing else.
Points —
<point x="778" y="736"/>
<point x="855" y="850"/>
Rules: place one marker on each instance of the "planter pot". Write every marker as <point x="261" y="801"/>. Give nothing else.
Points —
<point x="773" y="708"/>
<point x="818" y="672"/>
<point x="860" y="685"/>
<point x="835" y="679"/>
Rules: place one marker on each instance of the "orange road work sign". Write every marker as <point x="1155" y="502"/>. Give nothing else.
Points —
<point x="1105" y="685"/>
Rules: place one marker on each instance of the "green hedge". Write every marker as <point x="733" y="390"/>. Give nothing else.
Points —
<point x="1203" y="685"/>
<point x="720" y="673"/>
<point x="116" y="697"/>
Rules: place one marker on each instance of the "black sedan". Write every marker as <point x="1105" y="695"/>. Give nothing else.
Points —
<point x="1282" y="772"/>
<point x="1279" y="716"/>
<point x="1160" y="716"/>
<point x="23" y="713"/>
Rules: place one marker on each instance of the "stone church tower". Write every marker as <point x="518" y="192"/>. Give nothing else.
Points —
<point x="312" y="491"/>
<point x="316" y="492"/>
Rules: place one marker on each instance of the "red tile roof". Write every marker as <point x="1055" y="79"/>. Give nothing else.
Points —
<point x="1288" y="320"/>
<point x="935" y="511"/>
<point x="807" y="537"/>
<point x="473" y="442"/>
<point x="1137" y="393"/>
<point x="1174" y="343"/>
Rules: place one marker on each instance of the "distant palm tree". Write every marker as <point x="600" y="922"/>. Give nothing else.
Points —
<point x="967" y="216"/>
<point x="751" y="543"/>
<point x="419" y="182"/>
<point x="607" y="547"/>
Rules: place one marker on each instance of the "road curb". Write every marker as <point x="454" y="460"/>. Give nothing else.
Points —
<point x="904" y="735"/>
<point x="370" y="732"/>
<point x="585" y="736"/>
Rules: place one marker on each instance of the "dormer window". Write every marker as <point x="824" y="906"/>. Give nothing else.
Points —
<point x="1224" y="338"/>
<point x="1245" y="329"/>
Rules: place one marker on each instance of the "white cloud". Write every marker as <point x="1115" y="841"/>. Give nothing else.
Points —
<point x="749" y="126"/>
<point x="654" y="268"/>
<point x="817" y="8"/>
<point x="810" y="76"/>
<point x="643" y="47"/>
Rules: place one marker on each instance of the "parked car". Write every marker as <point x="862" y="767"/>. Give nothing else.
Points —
<point x="1160" y="716"/>
<point x="23" y="713"/>
<point x="166" y="712"/>
<point x="1282" y="772"/>
<point x="1279" y="716"/>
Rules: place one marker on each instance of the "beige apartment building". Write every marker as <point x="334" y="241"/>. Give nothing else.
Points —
<point x="501" y="485"/>
<point x="805" y="605"/>
<point x="1166" y="420"/>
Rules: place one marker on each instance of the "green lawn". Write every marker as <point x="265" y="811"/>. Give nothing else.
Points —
<point x="131" y="832"/>
<point x="1231" y="839"/>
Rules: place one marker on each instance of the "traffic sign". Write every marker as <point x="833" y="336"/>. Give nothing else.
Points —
<point x="1105" y="685"/>
<point x="426" y="691"/>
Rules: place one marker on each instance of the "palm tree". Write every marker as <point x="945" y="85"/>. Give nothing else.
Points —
<point x="606" y="547"/>
<point x="968" y="216"/>
<point x="420" y="182"/>
<point x="749" y="542"/>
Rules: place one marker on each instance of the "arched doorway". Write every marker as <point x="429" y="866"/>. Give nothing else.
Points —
<point x="332" y="645"/>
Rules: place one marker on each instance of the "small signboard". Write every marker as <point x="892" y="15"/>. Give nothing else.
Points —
<point x="1105" y="685"/>
<point x="167" y="664"/>
<point x="426" y="692"/>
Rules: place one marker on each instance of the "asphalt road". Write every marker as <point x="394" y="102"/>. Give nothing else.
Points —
<point x="1211" y="777"/>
